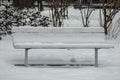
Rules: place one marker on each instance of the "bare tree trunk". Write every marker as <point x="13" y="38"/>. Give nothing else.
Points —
<point x="40" y="5"/>
<point x="86" y="13"/>
<point x="100" y="18"/>
<point x="59" y="11"/>
<point x="109" y="9"/>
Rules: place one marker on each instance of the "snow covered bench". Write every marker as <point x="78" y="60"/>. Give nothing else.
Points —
<point x="60" y="38"/>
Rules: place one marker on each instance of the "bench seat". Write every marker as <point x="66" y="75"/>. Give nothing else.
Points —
<point x="38" y="45"/>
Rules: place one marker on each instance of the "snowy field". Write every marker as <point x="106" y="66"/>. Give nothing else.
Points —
<point x="109" y="60"/>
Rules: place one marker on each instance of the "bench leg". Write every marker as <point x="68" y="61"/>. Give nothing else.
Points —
<point x="26" y="58"/>
<point x="96" y="57"/>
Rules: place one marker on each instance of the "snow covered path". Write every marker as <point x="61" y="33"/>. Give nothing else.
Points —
<point x="109" y="64"/>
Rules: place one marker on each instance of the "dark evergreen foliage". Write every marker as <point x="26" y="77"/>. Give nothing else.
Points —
<point x="11" y="16"/>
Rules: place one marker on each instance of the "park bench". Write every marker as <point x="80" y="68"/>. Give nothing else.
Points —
<point x="60" y="38"/>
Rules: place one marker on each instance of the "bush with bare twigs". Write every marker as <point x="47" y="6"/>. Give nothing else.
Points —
<point x="59" y="9"/>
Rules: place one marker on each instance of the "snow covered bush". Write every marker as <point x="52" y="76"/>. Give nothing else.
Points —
<point x="30" y="17"/>
<point x="5" y="20"/>
<point x="11" y="16"/>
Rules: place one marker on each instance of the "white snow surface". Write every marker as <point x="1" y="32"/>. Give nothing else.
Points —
<point x="109" y="61"/>
<point x="109" y="64"/>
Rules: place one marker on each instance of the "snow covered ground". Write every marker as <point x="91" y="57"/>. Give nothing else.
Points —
<point x="109" y="61"/>
<point x="109" y="64"/>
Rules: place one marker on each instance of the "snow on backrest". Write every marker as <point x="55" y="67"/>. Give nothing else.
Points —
<point x="71" y="34"/>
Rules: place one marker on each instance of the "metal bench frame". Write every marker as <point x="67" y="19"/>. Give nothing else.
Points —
<point x="26" y="64"/>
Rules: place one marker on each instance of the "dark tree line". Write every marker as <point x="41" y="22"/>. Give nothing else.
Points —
<point x="7" y="0"/>
<point x="23" y="3"/>
<point x="28" y="3"/>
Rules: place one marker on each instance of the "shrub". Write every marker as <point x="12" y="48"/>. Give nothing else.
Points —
<point x="11" y="16"/>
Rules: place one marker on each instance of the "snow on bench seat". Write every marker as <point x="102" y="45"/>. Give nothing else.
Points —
<point x="38" y="45"/>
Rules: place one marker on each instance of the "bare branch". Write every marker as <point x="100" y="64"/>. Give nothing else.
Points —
<point x="59" y="11"/>
<point x="109" y="9"/>
<point x="86" y="13"/>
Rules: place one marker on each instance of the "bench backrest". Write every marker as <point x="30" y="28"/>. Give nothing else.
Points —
<point x="64" y="34"/>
